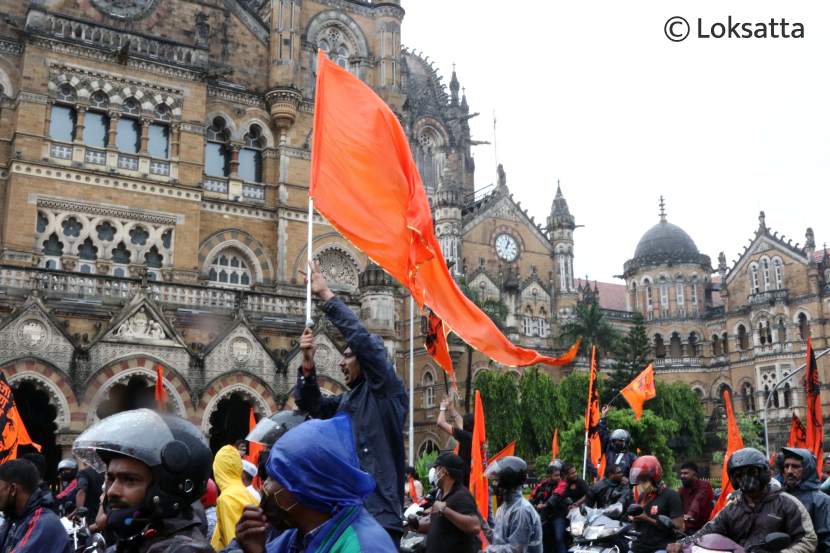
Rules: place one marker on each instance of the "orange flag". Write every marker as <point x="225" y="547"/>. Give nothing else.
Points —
<point x="640" y="390"/>
<point x="161" y="393"/>
<point x="436" y="344"/>
<point x="413" y="493"/>
<point x="592" y="416"/>
<point x="555" y="448"/>
<point x="478" y="484"/>
<point x="815" y="436"/>
<point x="734" y="443"/>
<point x="365" y="183"/>
<point x="14" y="432"/>
<point x="798" y="434"/>
<point x="254" y="448"/>
<point x="508" y="451"/>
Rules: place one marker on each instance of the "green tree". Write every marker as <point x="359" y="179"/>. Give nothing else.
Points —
<point x="572" y="400"/>
<point x="752" y="433"/>
<point x="593" y="328"/>
<point x="500" y="401"/>
<point x="494" y="308"/>
<point x="679" y="403"/>
<point x="540" y="413"/>
<point x="422" y="467"/>
<point x="632" y="356"/>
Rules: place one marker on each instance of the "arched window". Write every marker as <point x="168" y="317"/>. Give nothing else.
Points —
<point x="96" y="129"/>
<point x="803" y="327"/>
<point x="128" y="129"/>
<point x="774" y="396"/>
<point x="336" y="46"/>
<point x="87" y="252"/>
<point x="659" y="347"/>
<point x="765" y="270"/>
<point x="64" y="118"/>
<point x="782" y="332"/>
<point x="217" y="155"/>
<point x="762" y="335"/>
<point x="693" y="344"/>
<point x="429" y="391"/>
<point x="725" y="343"/>
<point x="426" y="158"/>
<point x="563" y="281"/>
<point x="748" y="393"/>
<point x="681" y="305"/>
<point x="788" y="396"/>
<point x="250" y="157"/>
<point x="52" y="252"/>
<point x="649" y="297"/>
<point x="753" y="271"/>
<point x="779" y="274"/>
<point x="742" y="341"/>
<point x="664" y="300"/>
<point x="428" y="447"/>
<point x="717" y="350"/>
<point x="159" y="133"/>
<point x="676" y="346"/>
<point x="229" y="268"/>
<point x="527" y="322"/>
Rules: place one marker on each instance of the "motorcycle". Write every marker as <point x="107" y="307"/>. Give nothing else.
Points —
<point x="412" y="541"/>
<point x="82" y="541"/>
<point x="715" y="543"/>
<point x="598" y="530"/>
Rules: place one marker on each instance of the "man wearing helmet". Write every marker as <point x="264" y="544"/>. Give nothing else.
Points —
<point x="759" y="509"/>
<point x="657" y="499"/>
<point x="518" y="528"/>
<point x="157" y="465"/>
<point x="615" y="445"/>
<point x="541" y="494"/>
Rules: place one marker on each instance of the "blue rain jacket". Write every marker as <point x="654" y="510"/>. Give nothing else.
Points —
<point x="378" y="406"/>
<point x="318" y="464"/>
<point x="518" y="527"/>
<point x="808" y="493"/>
<point x="36" y="530"/>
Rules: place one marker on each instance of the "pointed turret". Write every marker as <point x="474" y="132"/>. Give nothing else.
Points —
<point x="454" y="87"/>
<point x="560" y="215"/>
<point x="465" y="107"/>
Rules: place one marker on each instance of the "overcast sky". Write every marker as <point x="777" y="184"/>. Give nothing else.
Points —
<point x="594" y="94"/>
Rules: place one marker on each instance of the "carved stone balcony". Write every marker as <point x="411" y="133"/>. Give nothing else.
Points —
<point x="768" y="297"/>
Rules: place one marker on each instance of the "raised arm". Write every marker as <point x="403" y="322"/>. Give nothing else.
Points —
<point x="307" y="393"/>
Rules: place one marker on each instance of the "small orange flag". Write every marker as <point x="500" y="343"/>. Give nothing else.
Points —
<point x="436" y="344"/>
<point x="734" y="443"/>
<point x="815" y="432"/>
<point x="508" y="451"/>
<point x="478" y="484"/>
<point x="798" y="434"/>
<point x="640" y="390"/>
<point x="592" y="415"/>
<point x="413" y="493"/>
<point x="254" y="448"/>
<point x="555" y="448"/>
<point x="13" y="430"/>
<point x="161" y="393"/>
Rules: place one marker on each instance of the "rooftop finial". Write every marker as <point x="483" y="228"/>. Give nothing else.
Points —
<point x="662" y="209"/>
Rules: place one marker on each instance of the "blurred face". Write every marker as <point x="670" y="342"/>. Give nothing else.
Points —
<point x="827" y="465"/>
<point x="66" y="474"/>
<point x="793" y="470"/>
<point x="619" y="443"/>
<point x="8" y="498"/>
<point x="349" y="367"/>
<point x="243" y="449"/>
<point x="688" y="474"/>
<point x="571" y="475"/>
<point x="616" y="477"/>
<point x="129" y="479"/>
<point x="554" y="477"/>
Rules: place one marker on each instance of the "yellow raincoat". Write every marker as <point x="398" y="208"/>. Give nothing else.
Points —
<point x="227" y="472"/>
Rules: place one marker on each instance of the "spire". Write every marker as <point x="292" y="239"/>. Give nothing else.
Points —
<point x="662" y="209"/>
<point x="454" y="86"/>
<point x="465" y="108"/>
<point x="560" y="215"/>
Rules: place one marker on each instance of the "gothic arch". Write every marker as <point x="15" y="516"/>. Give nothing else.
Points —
<point x="6" y="82"/>
<point x="479" y="366"/>
<point x="247" y="245"/>
<point x="646" y="278"/>
<point x="351" y="265"/>
<point x="345" y="24"/>
<point x="798" y="312"/>
<point x="747" y="326"/>
<point x="429" y="124"/>
<point x="264" y="402"/>
<point x="245" y="126"/>
<point x="718" y="388"/>
<point x="698" y="385"/>
<point x="227" y="119"/>
<point x="746" y="380"/>
<point x="426" y="438"/>
<point x="49" y="379"/>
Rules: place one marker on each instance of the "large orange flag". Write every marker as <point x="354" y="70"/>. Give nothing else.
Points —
<point x="436" y="344"/>
<point x="592" y="416"/>
<point x="798" y="434"/>
<point x="508" y="451"/>
<point x="478" y="484"/>
<point x="640" y="390"/>
<point x="365" y="183"/>
<point x="815" y="432"/>
<point x="733" y="444"/>
<point x="161" y="393"/>
<point x="14" y="432"/>
<point x="555" y="447"/>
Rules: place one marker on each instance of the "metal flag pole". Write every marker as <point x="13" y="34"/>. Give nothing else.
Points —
<point x="308" y="322"/>
<point x="585" y="456"/>
<point x="774" y="388"/>
<point x="411" y="381"/>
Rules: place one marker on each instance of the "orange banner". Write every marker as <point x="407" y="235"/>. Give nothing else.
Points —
<point x="508" y="451"/>
<point x="413" y="493"/>
<point x="640" y="390"/>
<point x="365" y="183"/>
<point x="555" y="446"/>
<point x="813" y="424"/>
<point x="478" y="484"/>
<point x="14" y="432"/>
<point x="734" y="443"/>
<point x="436" y="344"/>
<point x="592" y="416"/>
<point x="798" y="434"/>
<point x="161" y="393"/>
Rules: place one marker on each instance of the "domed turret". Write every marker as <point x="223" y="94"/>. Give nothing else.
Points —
<point x="665" y="242"/>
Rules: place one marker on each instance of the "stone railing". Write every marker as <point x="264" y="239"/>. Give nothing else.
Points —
<point x="253" y="193"/>
<point x="87" y="33"/>
<point x="769" y="296"/>
<point x="617" y="314"/>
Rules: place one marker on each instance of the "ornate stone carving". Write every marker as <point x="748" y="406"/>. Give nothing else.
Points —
<point x="140" y="327"/>
<point x="337" y="268"/>
<point x="323" y="357"/>
<point x="202" y="29"/>
<point x="240" y="350"/>
<point x="15" y="342"/>
<point x="283" y="103"/>
<point x="32" y="334"/>
<point x="132" y="10"/>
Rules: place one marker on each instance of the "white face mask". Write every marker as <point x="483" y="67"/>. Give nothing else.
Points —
<point x="432" y="479"/>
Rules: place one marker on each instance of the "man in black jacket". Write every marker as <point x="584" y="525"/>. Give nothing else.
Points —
<point x="376" y="402"/>
<point x="609" y="490"/>
<point x="539" y="498"/>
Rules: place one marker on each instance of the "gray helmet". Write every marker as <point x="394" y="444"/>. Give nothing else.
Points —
<point x="270" y="429"/>
<point x="620" y="434"/>
<point x="557" y="464"/>
<point x="68" y="464"/>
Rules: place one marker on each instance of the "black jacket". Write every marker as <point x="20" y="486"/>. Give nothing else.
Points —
<point x="816" y="503"/>
<point x="624" y="459"/>
<point x="378" y="406"/>
<point x="179" y="534"/>
<point x="541" y="494"/>
<point x="776" y="512"/>
<point x="36" y="530"/>
<point x="603" y="494"/>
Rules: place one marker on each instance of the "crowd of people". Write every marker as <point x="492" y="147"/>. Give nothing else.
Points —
<point x="331" y="478"/>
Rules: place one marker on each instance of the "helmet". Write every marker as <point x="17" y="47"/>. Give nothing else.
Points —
<point x="268" y="430"/>
<point x="557" y="464"/>
<point x="620" y="434"/>
<point x="176" y="451"/>
<point x="511" y="472"/>
<point x="748" y="457"/>
<point x="209" y="499"/>
<point x="68" y="464"/>
<point x="646" y="468"/>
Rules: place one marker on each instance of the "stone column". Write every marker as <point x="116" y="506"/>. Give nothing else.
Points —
<point x="175" y="134"/>
<point x="145" y="134"/>
<point x="79" y="124"/>
<point x="48" y="121"/>
<point x="113" y="130"/>
<point x="235" y="147"/>
<point x="283" y="103"/>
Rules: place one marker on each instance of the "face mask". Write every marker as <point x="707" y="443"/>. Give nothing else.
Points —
<point x="275" y="513"/>
<point x="686" y="482"/>
<point x="748" y="483"/>
<point x="647" y="487"/>
<point x="618" y="448"/>
<point x="432" y="479"/>
<point x="125" y="522"/>
<point x="68" y="476"/>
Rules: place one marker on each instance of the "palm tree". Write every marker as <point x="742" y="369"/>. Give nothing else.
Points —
<point x="494" y="308"/>
<point x="592" y="327"/>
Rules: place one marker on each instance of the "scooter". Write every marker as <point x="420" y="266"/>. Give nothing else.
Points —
<point x="412" y="541"/>
<point x="716" y="543"/>
<point x="598" y="530"/>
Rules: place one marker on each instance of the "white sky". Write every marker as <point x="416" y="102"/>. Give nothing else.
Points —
<point x="594" y="94"/>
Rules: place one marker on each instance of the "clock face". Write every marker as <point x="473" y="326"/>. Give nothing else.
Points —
<point x="506" y="247"/>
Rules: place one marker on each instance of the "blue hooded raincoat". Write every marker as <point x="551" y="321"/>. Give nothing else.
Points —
<point x="808" y="493"/>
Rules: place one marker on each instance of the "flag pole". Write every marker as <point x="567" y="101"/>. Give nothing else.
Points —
<point x="585" y="456"/>
<point x="411" y="381"/>
<point x="308" y="322"/>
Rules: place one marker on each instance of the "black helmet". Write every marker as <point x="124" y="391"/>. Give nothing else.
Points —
<point x="511" y="472"/>
<point x="748" y="457"/>
<point x="620" y="434"/>
<point x="268" y="430"/>
<point x="175" y="450"/>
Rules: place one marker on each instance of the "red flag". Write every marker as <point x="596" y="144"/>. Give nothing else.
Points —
<point x="815" y="436"/>
<point x="640" y="390"/>
<point x="161" y="393"/>
<point x="733" y="444"/>
<point x="478" y="484"/>
<point x="555" y="447"/>
<point x="436" y="345"/>
<point x="592" y="415"/>
<point x="365" y="183"/>
<point x="798" y="434"/>
<point x="413" y="493"/>
<point x="13" y="430"/>
<point x="508" y="451"/>
<point x="254" y="448"/>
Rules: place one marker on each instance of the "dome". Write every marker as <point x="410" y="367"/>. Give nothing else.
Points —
<point x="665" y="238"/>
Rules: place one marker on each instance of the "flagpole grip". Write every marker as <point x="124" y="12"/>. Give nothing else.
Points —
<point x="309" y="323"/>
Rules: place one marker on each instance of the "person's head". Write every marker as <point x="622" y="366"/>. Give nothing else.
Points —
<point x="620" y="440"/>
<point x="793" y="467"/>
<point x="613" y="473"/>
<point x="68" y="470"/>
<point x="448" y="468"/>
<point x="569" y="473"/>
<point x="350" y="368"/>
<point x="688" y="474"/>
<point x="646" y="473"/>
<point x="469" y="422"/>
<point x="411" y="472"/>
<point x="826" y="466"/>
<point x="39" y="461"/>
<point x="128" y="481"/>
<point x="507" y="474"/>
<point x="748" y="472"/>
<point x="18" y="481"/>
<point x="241" y="447"/>
<point x="249" y="472"/>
